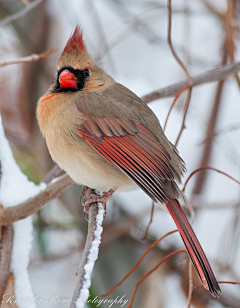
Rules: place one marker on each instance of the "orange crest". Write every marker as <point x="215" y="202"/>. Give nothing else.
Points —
<point x="75" y="42"/>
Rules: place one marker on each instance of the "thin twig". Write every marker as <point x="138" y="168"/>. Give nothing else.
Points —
<point x="31" y="58"/>
<point x="229" y="21"/>
<point x="209" y="168"/>
<point x="138" y="262"/>
<point x="230" y="282"/>
<point x="150" y="221"/>
<point x="34" y="204"/>
<point x="227" y="282"/>
<point x="209" y="76"/>
<point x="190" y="82"/>
<point x="213" y="9"/>
<point x="173" y="104"/>
<point x="26" y="10"/>
<point x="184" y="115"/>
<point x="217" y="205"/>
<point x="6" y="251"/>
<point x="152" y="270"/>
<point x="53" y="173"/>
<point x="90" y="254"/>
<point x="169" y="6"/>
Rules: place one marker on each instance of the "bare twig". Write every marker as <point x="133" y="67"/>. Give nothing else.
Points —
<point x="213" y="9"/>
<point x="6" y="251"/>
<point x="150" y="221"/>
<point x="217" y="205"/>
<point x="184" y="115"/>
<point x="152" y="270"/>
<point x="170" y="40"/>
<point x="173" y="104"/>
<point x="230" y="33"/>
<point x="209" y="168"/>
<point x="21" y="13"/>
<point x="209" y="76"/>
<point x="34" y="204"/>
<point x="224" y="282"/>
<point x="32" y="58"/>
<point x="90" y="254"/>
<point x="52" y="174"/>
<point x="138" y="262"/>
<point x="190" y="82"/>
<point x="230" y="282"/>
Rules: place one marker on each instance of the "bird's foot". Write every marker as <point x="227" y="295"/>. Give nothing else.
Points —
<point x="83" y="194"/>
<point x="92" y="198"/>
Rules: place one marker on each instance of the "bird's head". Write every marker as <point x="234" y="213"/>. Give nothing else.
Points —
<point x="76" y="70"/>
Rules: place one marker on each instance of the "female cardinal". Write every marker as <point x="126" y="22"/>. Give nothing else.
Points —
<point x="106" y="138"/>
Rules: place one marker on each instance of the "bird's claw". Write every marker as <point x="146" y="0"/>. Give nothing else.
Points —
<point x="92" y="198"/>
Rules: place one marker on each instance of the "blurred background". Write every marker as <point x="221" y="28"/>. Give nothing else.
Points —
<point x="128" y="39"/>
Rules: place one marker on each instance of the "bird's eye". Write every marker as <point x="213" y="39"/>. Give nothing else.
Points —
<point x="86" y="73"/>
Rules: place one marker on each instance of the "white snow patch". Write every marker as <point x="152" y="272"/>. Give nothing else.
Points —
<point x="14" y="189"/>
<point x="92" y="257"/>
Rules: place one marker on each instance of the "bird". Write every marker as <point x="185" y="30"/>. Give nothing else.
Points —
<point x="106" y="138"/>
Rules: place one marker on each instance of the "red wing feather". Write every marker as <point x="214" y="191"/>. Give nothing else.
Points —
<point x="132" y="148"/>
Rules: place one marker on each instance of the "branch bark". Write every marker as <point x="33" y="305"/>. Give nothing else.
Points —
<point x="34" y="204"/>
<point x="31" y="58"/>
<point x="6" y="251"/>
<point x="55" y="172"/>
<point x="90" y="255"/>
<point x="210" y="76"/>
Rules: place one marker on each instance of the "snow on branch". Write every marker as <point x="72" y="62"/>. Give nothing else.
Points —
<point x="90" y="255"/>
<point x="35" y="203"/>
<point x="14" y="189"/>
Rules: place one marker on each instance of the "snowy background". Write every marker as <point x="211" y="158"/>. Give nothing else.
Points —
<point x="129" y="40"/>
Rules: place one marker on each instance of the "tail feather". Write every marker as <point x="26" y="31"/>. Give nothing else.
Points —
<point x="194" y="248"/>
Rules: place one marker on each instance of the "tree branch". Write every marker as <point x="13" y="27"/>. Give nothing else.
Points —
<point x="183" y="67"/>
<point x="32" y="58"/>
<point x="26" y="10"/>
<point x="6" y="251"/>
<point x="34" y="204"/>
<point x="53" y="173"/>
<point x="90" y="255"/>
<point x="210" y="76"/>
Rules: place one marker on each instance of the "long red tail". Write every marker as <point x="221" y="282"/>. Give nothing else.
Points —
<point x="194" y="248"/>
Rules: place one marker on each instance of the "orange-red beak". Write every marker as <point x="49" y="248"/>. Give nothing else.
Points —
<point x="67" y="80"/>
